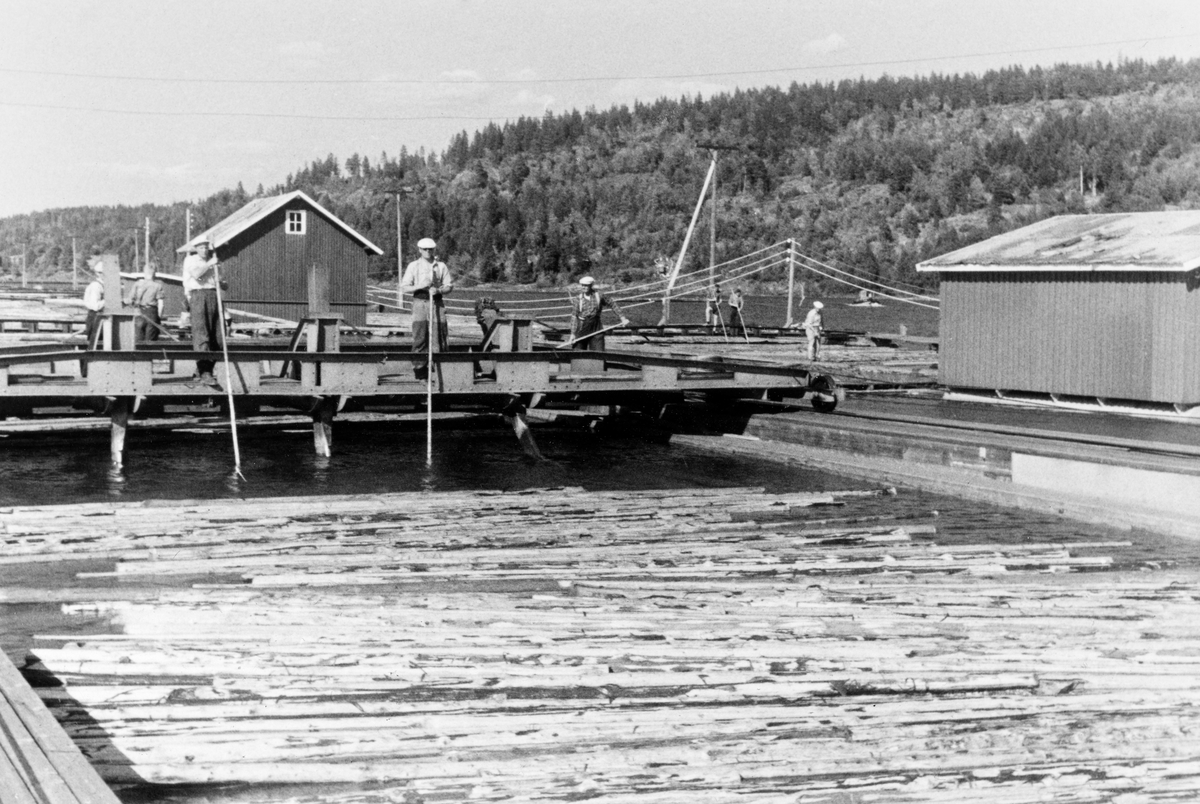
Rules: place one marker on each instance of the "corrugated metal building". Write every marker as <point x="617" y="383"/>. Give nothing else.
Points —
<point x="267" y="247"/>
<point x="1104" y="306"/>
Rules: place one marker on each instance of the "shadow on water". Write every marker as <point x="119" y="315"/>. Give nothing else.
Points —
<point x="367" y="458"/>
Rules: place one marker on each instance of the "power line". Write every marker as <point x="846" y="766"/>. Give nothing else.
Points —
<point x="584" y="79"/>
<point x="100" y="110"/>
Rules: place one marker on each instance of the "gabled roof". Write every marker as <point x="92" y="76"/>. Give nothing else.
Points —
<point x="260" y="208"/>
<point x="1129" y="241"/>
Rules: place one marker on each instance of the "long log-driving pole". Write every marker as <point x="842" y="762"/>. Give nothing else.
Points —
<point x="429" y="336"/>
<point x="237" y="453"/>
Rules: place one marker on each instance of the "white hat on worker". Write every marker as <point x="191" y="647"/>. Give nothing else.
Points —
<point x="587" y="281"/>
<point x="818" y="305"/>
<point x="426" y="242"/>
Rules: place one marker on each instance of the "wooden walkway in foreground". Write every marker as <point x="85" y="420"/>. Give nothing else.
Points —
<point x="38" y="762"/>
<point x="695" y="645"/>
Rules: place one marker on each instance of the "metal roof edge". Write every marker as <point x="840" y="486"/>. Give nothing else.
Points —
<point x="926" y="267"/>
<point x="348" y="229"/>
<point x="268" y="209"/>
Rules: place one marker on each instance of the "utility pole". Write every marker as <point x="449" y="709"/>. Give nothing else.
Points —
<point x="399" y="193"/>
<point x="399" y="254"/>
<point x="147" y="241"/>
<point x="187" y="232"/>
<point x="791" y="281"/>
<point x="712" y="229"/>
<point x="74" y="265"/>
<point x="24" y="264"/>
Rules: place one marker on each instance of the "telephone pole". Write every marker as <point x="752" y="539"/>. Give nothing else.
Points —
<point x="712" y="229"/>
<point x="74" y="265"/>
<point x="399" y="193"/>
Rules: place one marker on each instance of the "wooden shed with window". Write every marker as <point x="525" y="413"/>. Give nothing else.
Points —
<point x="267" y="248"/>
<point x="1105" y="307"/>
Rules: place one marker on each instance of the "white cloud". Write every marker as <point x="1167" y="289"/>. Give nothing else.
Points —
<point x="829" y="44"/>
<point x="250" y="146"/>
<point x="525" y="99"/>
<point x="307" y="48"/>
<point x="460" y="75"/>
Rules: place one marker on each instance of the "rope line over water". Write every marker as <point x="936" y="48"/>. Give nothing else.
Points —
<point x="691" y="286"/>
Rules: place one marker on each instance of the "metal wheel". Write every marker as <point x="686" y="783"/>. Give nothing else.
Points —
<point x="825" y="393"/>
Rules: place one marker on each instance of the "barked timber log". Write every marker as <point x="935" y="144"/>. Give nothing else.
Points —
<point x="682" y="645"/>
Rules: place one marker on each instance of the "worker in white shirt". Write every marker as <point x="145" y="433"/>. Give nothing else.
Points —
<point x="428" y="280"/>
<point x="200" y="285"/>
<point x="814" y="328"/>
<point x="93" y="301"/>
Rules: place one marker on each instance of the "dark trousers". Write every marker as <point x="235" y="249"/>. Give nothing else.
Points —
<point x="144" y="327"/>
<point x="593" y="344"/>
<point x="420" y="327"/>
<point x="208" y="330"/>
<point x="91" y="329"/>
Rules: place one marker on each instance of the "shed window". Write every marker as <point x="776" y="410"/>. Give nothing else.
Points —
<point x="296" y="220"/>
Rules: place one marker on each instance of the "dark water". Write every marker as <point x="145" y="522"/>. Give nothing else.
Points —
<point x="367" y="459"/>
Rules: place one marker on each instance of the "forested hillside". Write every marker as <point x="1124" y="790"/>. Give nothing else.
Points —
<point x="873" y="174"/>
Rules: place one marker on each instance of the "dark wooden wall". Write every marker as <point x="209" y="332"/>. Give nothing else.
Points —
<point x="267" y="269"/>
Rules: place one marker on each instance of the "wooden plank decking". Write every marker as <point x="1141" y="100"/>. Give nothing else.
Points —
<point x="38" y="762"/>
<point x="687" y="646"/>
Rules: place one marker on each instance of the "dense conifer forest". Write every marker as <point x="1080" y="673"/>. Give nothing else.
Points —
<point x="875" y="175"/>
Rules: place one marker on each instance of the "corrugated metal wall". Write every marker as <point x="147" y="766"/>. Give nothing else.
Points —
<point x="1122" y="336"/>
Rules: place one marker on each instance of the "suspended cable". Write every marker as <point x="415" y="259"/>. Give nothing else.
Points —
<point x="586" y="78"/>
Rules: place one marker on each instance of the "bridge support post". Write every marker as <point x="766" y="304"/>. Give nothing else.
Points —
<point x="322" y="419"/>
<point x="118" y="411"/>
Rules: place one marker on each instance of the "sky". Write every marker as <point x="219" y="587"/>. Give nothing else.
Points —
<point x="157" y="101"/>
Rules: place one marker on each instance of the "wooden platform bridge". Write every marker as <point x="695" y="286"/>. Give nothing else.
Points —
<point x="320" y="371"/>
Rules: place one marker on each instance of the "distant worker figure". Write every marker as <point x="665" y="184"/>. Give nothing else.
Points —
<point x="737" y="311"/>
<point x="486" y="314"/>
<point x="866" y="297"/>
<point x="428" y="280"/>
<point x="147" y="295"/>
<point x="814" y="328"/>
<point x="200" y="287"/>
<point x="712" y="307"/>
<point x="93" y="301"/>
<point x="585" y="316"/>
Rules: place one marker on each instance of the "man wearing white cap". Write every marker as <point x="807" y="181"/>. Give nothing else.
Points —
<point x="814" y="327"/>
<point x="200" y="285"/>
<point x="428" y="280"/>
<point x="585" y="316"/>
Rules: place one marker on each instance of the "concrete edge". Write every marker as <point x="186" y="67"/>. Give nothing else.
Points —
<point x="944" y="480"/>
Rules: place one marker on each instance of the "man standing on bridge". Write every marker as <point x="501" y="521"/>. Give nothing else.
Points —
<point x="814" y="328"/>
<point x="147" y="296"/>
<point x="737" y="311"/>
<point x="200" y="285"/>
<point x="428" y="280"/>
<point x="712" y="308"/>
<point x="585" y="316"/>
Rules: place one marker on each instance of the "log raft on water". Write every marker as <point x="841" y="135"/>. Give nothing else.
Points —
<point x="694" y="645"/>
